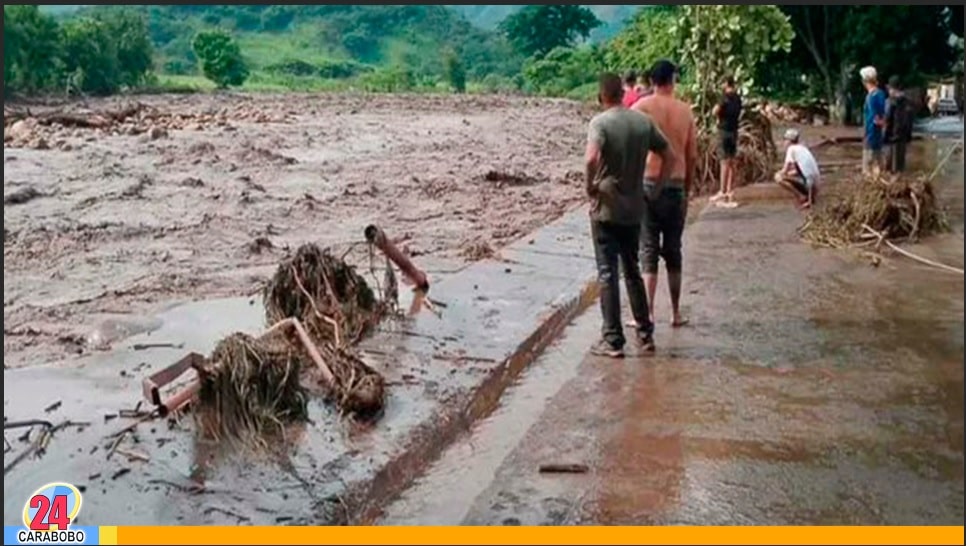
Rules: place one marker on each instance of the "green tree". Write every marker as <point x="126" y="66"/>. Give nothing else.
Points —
<point x="649" y="36"/>
<point x="31" y="49"/>
<point x="832" y="42"/>
<point x="455" y="72"/>
<point x="221" y="59"/>
<point x="720" y="41"/>
<point x="563" y="70"/>
<point x="537" y="29"/>
<point x="90" y="56"/>
<point x="132" y="44"/>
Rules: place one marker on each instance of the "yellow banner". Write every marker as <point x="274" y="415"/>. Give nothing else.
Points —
<point x="531" y="535"/>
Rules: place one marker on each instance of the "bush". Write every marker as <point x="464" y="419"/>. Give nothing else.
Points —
<point x="221" y="60"/>
<point x="455" y="73"/>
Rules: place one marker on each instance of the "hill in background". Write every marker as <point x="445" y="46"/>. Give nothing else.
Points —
<point x="327" y="41"/>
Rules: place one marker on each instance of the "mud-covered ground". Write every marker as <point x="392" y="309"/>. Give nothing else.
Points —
<point x="200" y="196"/>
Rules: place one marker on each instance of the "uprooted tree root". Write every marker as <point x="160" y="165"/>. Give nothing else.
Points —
<point x="337" y="307"/>
<point x="867" y="210"/>
<point x="756" y="154"/>
<point x="250" y="389"/>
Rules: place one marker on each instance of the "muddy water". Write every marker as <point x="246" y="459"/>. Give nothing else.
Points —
<point x="128" y="220"/>
<point x="811" y="388"/>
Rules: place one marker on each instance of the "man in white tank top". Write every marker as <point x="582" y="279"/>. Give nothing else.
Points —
<point x="799" y="174"/>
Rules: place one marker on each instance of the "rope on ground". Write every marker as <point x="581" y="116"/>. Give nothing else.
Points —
<point x="926" y="261"/>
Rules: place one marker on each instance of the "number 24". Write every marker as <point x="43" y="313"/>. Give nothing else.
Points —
<point x="49" y="513"/>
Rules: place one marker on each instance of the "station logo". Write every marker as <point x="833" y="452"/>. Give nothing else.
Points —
<point x="49" y="517"/>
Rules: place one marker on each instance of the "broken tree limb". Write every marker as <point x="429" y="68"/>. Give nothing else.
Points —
<point x="313" y="351"/>
<point x="375" y="236"/>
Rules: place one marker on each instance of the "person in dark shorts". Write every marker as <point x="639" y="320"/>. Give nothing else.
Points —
<point x="799" y="174"/>
<point x="898" y="126"/>
<point x="728" y="113"/>
<point x="665" y="215"/>
<point x="618" y="143"/>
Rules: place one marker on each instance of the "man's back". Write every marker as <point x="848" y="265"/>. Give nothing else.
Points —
<point x="802" y="157"/>
<point x="624" y="137"/>
<point x="675" y="120"/>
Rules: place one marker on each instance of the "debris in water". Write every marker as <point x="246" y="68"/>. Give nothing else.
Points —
<point x="556" y="468"/>
<point x="53" y="407"/>
<point x="337" y="307"/>
<point x="249" y="388"/>
<point x="120" y="473"/>
<point x="21" y="196"/>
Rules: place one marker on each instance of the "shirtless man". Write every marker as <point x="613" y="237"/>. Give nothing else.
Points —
<point x="667" y="203"/>
<point x="619" y="141"/>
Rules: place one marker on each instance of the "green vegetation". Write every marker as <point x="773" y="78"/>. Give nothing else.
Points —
<point x="99" y="55"/>
<point x="537" y="29"/>
<point x="221" y="60"/>
<point x="793" y="53"/>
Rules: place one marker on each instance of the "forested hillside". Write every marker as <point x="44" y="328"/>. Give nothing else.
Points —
<point x="331" y="40"/>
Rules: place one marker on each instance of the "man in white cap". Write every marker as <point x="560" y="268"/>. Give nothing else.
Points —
<point x="874" y="114"/>
<point x="799" y="174"/>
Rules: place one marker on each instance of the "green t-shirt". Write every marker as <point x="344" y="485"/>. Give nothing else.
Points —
<point x="625" y="137"/>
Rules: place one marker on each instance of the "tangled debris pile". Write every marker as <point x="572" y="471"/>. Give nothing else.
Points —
<point x="250" y="388"/>
<point x="867" y="210"/>
<point x="317" y="307"/>
<point x="756" y="154"/>
<point x="337" y="308"/>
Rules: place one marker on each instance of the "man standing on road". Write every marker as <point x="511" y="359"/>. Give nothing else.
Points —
<point x="664" y="216"/>
<point x="618" y="142"/>
<point x="728" y="113"/>
<point x="630" y="89"/>
<point x="799" y="174"/>
<point x="898" y="126"/>
<point x="874" y="114"/>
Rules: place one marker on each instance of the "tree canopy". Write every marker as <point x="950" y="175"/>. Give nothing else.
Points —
<point x="535" y="30"/>
<point x="833" y="41"/>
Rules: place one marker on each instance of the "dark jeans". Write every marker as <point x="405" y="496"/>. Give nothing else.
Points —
<point x="897" y="157"/>
<point x="662" y="229"/>
<point x="616" y="244"/>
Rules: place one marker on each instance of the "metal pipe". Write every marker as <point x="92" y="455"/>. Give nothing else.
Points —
<point x="377" y="237"/>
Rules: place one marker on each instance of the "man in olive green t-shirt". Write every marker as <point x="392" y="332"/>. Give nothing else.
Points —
<point x="618" y="142"/>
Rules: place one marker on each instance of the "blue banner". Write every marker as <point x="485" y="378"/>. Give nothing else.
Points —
<point x="76" y="534"/>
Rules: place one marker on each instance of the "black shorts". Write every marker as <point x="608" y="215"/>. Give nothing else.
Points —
<point x="727" y="144"/>
<point x="799" y="184"/>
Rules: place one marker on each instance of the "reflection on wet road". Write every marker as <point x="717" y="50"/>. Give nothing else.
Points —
<point x="810" y="388"/>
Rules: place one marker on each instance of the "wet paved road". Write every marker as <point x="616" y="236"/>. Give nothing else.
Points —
<point x="810" y="388"/>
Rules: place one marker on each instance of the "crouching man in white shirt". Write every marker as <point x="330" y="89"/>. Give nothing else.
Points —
<point x="799" y="174"/>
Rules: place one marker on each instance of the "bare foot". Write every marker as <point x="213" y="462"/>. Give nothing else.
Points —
<point x="717" y="197"/>
<point x="680" y="321"/>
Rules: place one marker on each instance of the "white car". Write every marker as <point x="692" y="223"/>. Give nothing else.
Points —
<point x="947" y="107"/>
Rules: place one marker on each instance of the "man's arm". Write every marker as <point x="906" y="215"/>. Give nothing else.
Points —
<point x="595" y="140"/>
